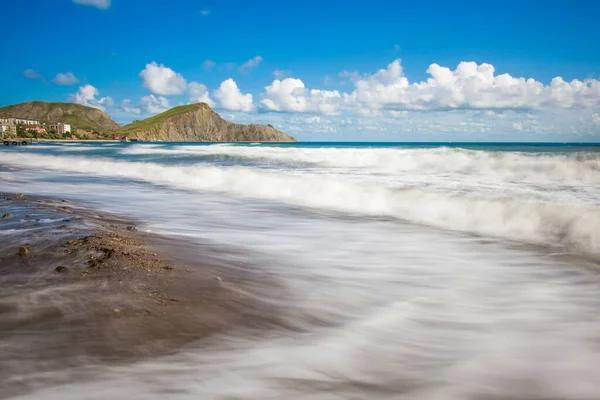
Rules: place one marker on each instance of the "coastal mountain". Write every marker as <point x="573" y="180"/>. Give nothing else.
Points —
<point x="80" y="117"/>
<point x="199" y="123"/>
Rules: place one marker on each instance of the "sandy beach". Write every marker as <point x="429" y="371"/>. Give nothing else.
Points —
<point x="299" y="271"/>
<point x="80" y="288"/>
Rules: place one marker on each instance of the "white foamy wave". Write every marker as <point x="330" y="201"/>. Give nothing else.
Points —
<point x="576" y="168"/>
<point x="507" y="217"/>
<point x="76" y="149"/>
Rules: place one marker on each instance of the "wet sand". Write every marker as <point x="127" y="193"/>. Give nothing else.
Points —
<point x="81" y="289"/>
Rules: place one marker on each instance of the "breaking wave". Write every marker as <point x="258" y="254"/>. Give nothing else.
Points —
<point x="573" y="168"/>
<point x="548" y="223"/>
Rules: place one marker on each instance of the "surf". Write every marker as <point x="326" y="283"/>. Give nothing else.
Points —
<point x="524" y="218"/>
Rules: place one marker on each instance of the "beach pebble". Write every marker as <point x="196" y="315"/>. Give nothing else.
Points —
<point x="7" y="215"/>
<point x="23" y="251"/>
<point x="61" y="269"/>
<point x="131" y="228"/>
<point x="219" y="278"/>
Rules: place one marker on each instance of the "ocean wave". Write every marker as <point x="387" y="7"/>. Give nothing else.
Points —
<point x="547" y="223"/>
<point x="574" y="168"/>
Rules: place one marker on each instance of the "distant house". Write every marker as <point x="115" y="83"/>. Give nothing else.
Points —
<point x="35" y="128"/>
<point x="60" y="128"/>
<point x="116" y="136"/>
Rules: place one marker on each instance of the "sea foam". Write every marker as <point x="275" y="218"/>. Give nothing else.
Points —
<point x="489" y="213"/>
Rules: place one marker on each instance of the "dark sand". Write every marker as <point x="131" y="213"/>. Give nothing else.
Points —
<point x="80" y="289"/>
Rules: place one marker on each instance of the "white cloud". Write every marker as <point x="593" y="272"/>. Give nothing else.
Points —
<point x="199" y="94"/>
<point x="67" y="78"/>
<point x="596" y="118"/>
<point x="231" y="98"/>
<point x="469" y="86"/>
<point x="251" y="63"/>
<point x="102" y="4"/>
<point x="205" y="12"/>
<point x="208" y="65"/>
<point x="88" y="96"/>
<point x="493" y="114"/>
<point x="280" y="74"/>
<point x="398" y="114"/>
<point x="31" y="74"/>
<point x="291" y="95"/>
<point x="128" y="107"/>
<point x="162" y="80"/>
<point x="154" y="105"/>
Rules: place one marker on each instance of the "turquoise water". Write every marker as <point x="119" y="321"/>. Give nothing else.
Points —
<point x="411" y="270"/>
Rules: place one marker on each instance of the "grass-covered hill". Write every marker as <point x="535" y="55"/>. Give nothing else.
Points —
<point x="199" y="123"/>
<point x="152" y="122"/>
<point x="80" y="117"/>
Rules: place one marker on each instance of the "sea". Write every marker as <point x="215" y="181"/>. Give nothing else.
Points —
<point x="411" y="270"/>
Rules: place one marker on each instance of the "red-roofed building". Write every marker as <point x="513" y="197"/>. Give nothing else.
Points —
<point x="35" y="128"/>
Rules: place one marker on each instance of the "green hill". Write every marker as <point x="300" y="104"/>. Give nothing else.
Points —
<point x="199" y="123"/>
<point x="80" y="117"/>
<point x="152" y="122"/>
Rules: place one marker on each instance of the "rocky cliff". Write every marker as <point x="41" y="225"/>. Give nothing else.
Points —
<point x="80" y="117"/>
<point x="199" y="123"/>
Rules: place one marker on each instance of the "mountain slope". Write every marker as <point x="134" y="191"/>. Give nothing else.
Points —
<point x="80" y="117"/>
<point x="199" y="123"/>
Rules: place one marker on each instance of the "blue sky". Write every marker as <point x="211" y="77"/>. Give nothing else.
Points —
<point x="320" y="70"/>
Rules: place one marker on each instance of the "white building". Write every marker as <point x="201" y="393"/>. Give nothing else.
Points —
<point x="26" y="122"/>
<point x="60" y="128"/>
<point x="8" y="129"/>
<point x="19" y="121"/>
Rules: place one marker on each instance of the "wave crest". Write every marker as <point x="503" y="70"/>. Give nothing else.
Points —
<point x="568" y="225"/>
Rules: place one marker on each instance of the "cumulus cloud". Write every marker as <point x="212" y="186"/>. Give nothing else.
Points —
<point x="101" y="4"/>
<point x="129" y="107"/>
<point x="250" y="64"/>
<point x="468" y="86"/>
<point x="162" y="80"/>
<point x="154" y="105"/>
<point x="596" y="118"/>
<point x="67" y="78"/>
<point x="518" y="126"/>
<point x="231" y="98"/>
<point x="199" y="94"/>
<point x="88" y="96"/>
<point x="292" y="96"/>
<point x="149" y="104"/>
<point x="31" y="74"/>
<point x="205" y="12"/>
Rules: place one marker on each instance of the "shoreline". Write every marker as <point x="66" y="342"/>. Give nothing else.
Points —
<point x="83" y="289"/>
